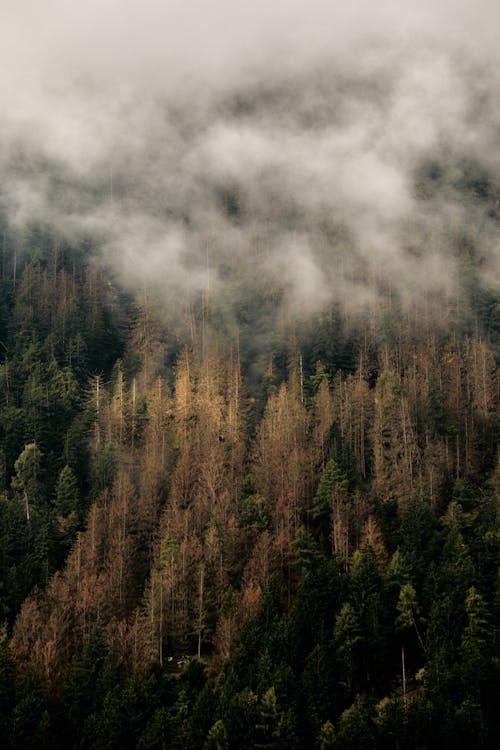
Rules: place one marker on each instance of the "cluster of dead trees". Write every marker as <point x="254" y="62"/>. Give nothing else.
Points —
<point x="201" y="501"/>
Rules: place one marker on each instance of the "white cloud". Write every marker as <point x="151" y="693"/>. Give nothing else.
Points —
<point x="167" y="126"/>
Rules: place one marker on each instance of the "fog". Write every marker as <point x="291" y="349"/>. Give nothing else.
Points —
<point x="316" y="152"/>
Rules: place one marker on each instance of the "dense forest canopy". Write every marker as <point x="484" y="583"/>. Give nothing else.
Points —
<point x="224" y="554"/>
<point x="249" y="343"/>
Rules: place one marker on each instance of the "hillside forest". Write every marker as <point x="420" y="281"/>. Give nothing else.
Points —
<point x="209" y="541"/>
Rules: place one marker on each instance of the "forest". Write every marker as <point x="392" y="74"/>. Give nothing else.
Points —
<point x="249" y="395"/>
<point x="211" y="543"/>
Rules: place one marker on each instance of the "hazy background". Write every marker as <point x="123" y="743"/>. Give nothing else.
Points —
<point x="310" y="151"/>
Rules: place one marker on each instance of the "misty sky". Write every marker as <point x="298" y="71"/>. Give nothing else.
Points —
<point x="286" y="141"/>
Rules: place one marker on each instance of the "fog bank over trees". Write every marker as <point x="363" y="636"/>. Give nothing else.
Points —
<point x="303" y="153"/>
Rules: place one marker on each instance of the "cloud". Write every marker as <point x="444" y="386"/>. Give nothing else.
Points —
<point x="335" y="147"/>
